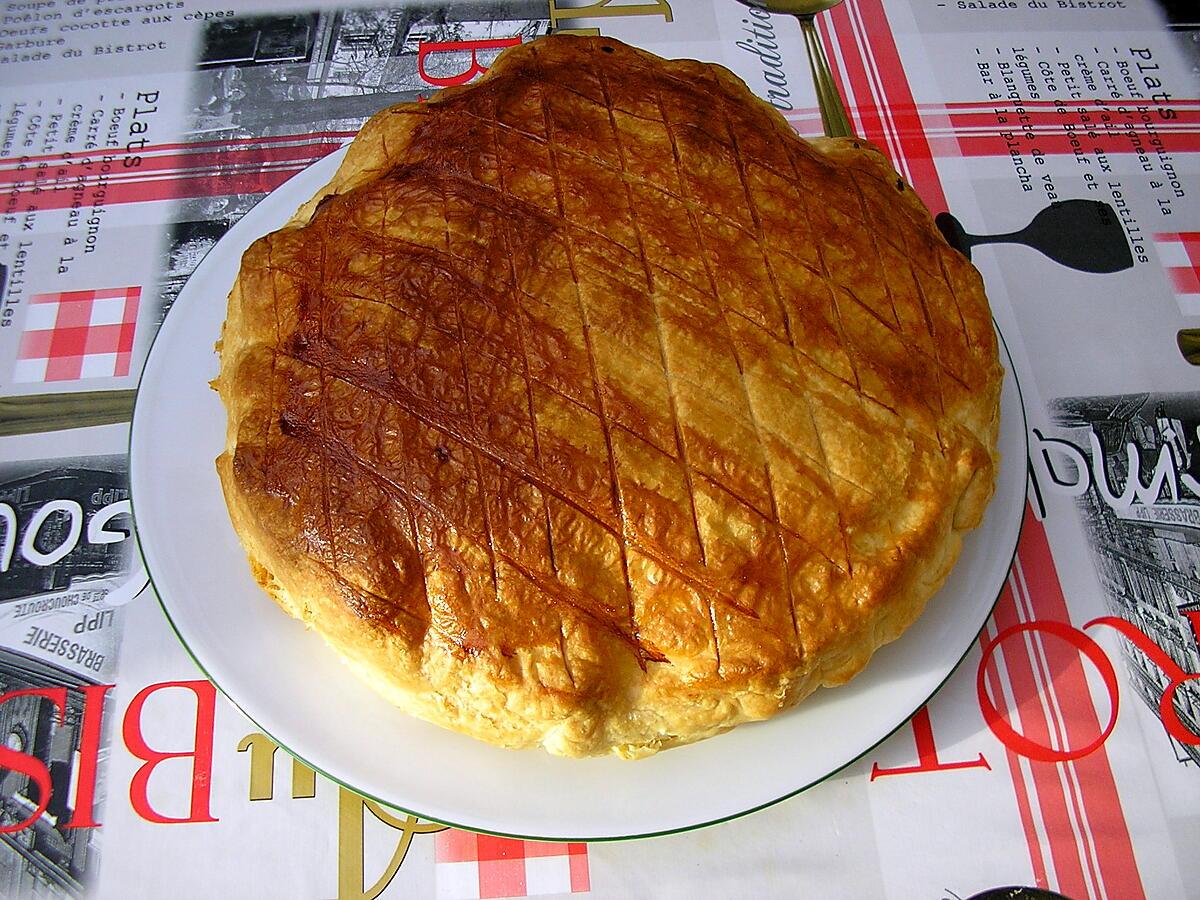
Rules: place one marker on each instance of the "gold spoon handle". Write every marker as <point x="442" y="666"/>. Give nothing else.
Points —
<point x="56" y="412"/>
<point x="833" y="111"/>
<point x="1188" y="340"/>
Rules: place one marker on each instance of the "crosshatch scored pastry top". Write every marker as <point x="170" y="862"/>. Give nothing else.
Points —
<point x="590" y="407"/>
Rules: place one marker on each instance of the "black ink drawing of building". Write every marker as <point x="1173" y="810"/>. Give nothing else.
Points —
<point x="46" y="858"/>
<point x="300" y="73"/>
<point x="25" y="489"/>
<point x="1149" y="567"/>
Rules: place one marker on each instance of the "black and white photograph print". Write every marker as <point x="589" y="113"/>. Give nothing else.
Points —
<point x="65" y="525"/>
<point x="1132" y="463"/>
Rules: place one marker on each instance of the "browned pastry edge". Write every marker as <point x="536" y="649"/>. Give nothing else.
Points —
<point x="635" y="706"/>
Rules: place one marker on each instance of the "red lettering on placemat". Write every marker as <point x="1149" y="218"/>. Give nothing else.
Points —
<point x="927" y="752"/>
<point x="429" y="48"/>
<point x="201" y="753"/>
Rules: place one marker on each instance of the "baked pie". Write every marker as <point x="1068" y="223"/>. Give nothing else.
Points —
<point x="590" y="407"/>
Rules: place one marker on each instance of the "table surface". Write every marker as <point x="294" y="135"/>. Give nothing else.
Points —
<point x="1064" y="751"/>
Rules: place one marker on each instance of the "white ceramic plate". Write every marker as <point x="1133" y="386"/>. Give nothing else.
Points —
<point x="286" y="680"/>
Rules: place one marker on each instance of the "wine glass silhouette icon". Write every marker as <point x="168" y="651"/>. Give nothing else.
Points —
<point x="1085" y="235"/>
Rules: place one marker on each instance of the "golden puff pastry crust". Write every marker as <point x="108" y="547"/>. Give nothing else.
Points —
<point x="588" y="407"/>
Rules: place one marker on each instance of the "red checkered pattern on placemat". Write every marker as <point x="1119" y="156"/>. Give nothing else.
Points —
<point x="1179" y="253"/>
<point x="78" y="334"/>
<point x="473" y="866"/>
